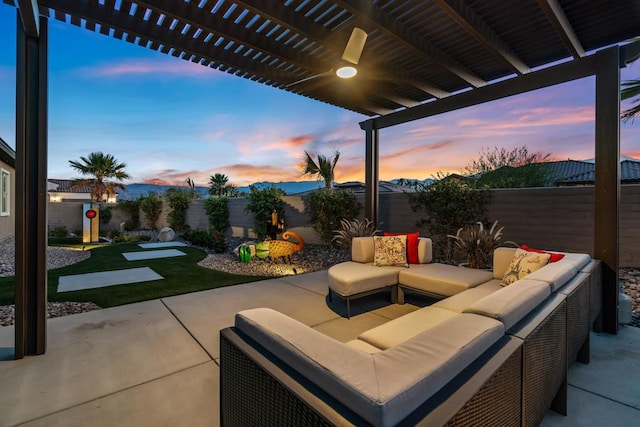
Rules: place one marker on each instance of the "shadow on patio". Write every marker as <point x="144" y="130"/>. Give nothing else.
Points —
<point x="156" y="362"/>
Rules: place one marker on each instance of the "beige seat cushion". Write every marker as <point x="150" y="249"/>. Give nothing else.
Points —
<point x="555" y="274"/>
<point x="405" y="327"/>
<point x="512" y="303"/>
<point x="460" y="302"/>
<point x="363" y="346"/>
<point x="351" y="278"/>
<point x="442" y="279"/>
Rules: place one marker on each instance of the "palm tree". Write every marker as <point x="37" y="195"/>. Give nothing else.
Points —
<point x="630" y="89"/>
<point x="99" y="168"/>
<point x="323" y="169"/>
<point x="218" y="185"/>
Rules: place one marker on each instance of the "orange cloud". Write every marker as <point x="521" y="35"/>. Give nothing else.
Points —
<point x="293" y="142"/>
<point x="418" y="149"/>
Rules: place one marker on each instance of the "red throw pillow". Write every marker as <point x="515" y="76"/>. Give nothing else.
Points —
<point x="554" y="257"/>
<point x="412" y="245"/>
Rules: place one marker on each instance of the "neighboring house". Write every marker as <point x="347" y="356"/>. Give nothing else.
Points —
<point x="7" y="190"/>
<point x="575" y="173"/>
<point x="62" y="190"/>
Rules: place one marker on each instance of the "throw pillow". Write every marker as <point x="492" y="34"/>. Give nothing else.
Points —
<point x="524" y="263"/>
<point x="412" y="245"/>
<point x="390" y="251"/>
<point x="554" y="257"/>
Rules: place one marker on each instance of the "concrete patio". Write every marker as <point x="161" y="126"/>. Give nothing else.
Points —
<point x="155" y="363"/>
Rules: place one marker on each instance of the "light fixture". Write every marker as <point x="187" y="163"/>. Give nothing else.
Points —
<point x="346" y="72"/>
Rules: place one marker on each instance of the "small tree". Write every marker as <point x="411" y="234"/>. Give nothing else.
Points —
<point x="217" y="210"/>
<point x="449" y="205"/>
<point x="501" y="168"/>
<point x="323" y="169"/>
<point x="179" y="204"/>
<point x="328" y="209"/>
<point x="262" y="203"/>
<point x="151" y="206"/>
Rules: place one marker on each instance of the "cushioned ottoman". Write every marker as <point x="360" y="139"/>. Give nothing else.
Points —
<point x="352" y="279"/>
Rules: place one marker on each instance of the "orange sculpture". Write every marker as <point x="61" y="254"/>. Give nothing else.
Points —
<point x="281" y="248"/>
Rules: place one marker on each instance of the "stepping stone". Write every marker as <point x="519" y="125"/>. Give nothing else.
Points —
<point x="161" y="245"/>
<point x="166" y="253"/>
<point x="106" y="278"/>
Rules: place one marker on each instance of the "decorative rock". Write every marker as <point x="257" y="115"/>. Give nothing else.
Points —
<point x="166" y="234"/>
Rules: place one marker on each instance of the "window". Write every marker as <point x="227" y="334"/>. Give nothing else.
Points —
<point x="4" y="192"/>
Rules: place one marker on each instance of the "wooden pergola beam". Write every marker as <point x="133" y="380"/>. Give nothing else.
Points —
<point x="563" y="27"/>
<point x="30" y="16"/>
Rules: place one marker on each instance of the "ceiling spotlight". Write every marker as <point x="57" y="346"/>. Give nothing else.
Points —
<point x="346" y="72"/>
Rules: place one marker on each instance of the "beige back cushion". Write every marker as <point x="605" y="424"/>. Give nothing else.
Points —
<point x="362" y="250"/>
<point x="501" y="259"/>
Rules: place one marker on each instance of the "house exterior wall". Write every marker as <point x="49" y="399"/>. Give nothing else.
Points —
<point x="559" y="218"/>
<point x="8" y="222"/>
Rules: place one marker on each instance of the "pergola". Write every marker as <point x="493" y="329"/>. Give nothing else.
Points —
<point x="421" y="58"/>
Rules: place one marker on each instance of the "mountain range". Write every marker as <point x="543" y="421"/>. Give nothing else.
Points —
<point x="133" y="191"/>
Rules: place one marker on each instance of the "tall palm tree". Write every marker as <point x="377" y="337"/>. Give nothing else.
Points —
<point x="218" y="184"/>
<point x="100" y="170"/>
<point x="323" y="169"/>
<point x="630" y="89"/>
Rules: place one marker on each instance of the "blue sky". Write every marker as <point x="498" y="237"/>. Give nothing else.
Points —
<point x="169" y="119"/>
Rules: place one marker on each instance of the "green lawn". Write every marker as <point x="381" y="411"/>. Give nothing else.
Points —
<point x="181" y="275"/>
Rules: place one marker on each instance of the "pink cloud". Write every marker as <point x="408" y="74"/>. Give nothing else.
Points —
<point x="142" y="67"/>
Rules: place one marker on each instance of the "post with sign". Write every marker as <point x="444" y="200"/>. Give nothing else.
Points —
<point x="90" y="223"/>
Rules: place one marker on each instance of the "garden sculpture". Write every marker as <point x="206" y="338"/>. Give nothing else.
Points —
<point x="281" y="248"/>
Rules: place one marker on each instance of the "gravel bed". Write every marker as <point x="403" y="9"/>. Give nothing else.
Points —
<point x="311" y="258"/>
<point x="56" y="257"/>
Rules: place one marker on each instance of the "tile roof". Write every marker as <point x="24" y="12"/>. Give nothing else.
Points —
<point x="66" y="186"/>
<point x="7" y="154"/>
<point x="573" y="172"/>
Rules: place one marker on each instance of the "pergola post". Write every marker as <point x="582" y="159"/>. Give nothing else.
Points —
<point x="31" y="186"/>
<point x="607" y="181"/>
<point x="371" y="199"/>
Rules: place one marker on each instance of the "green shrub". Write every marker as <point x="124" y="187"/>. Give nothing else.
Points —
<point x="218" y="243"/>
<point x="129" y="225"/>
<point x="151" y="206"/>
<point x="144" y="238"/>
<point x="211" y="239"/>
<point x="58" y="232"/>
<point x="132" y="209"/>
<point x="218" y="212"/>
<point x="449" y="205"/>
<point x="327" y="209"/>
<point x="114" y="234"/>
<point x="105" y="214"/>
<point x="262" y="203"/>
<point x="179" y="205"/>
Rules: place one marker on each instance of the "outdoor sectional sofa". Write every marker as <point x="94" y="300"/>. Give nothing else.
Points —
<point x="487" y="355"/>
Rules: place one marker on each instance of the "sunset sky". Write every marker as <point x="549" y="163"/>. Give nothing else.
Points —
<point x="169" y="119"/>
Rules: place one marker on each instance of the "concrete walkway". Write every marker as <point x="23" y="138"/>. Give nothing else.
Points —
<point x="155" y="363"/>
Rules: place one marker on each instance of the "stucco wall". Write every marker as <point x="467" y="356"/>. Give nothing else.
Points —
<point x="8" y="223"/>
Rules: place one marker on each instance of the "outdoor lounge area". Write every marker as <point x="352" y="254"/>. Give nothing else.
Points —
<point x="161" y="362"/>
<point x="157" y="362"/>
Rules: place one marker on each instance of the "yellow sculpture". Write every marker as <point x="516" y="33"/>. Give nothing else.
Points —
<point x="280" y="248"/>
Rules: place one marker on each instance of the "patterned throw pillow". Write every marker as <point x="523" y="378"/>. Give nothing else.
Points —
<point x="390" y="251"/>
<point x="524" y="263"/>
